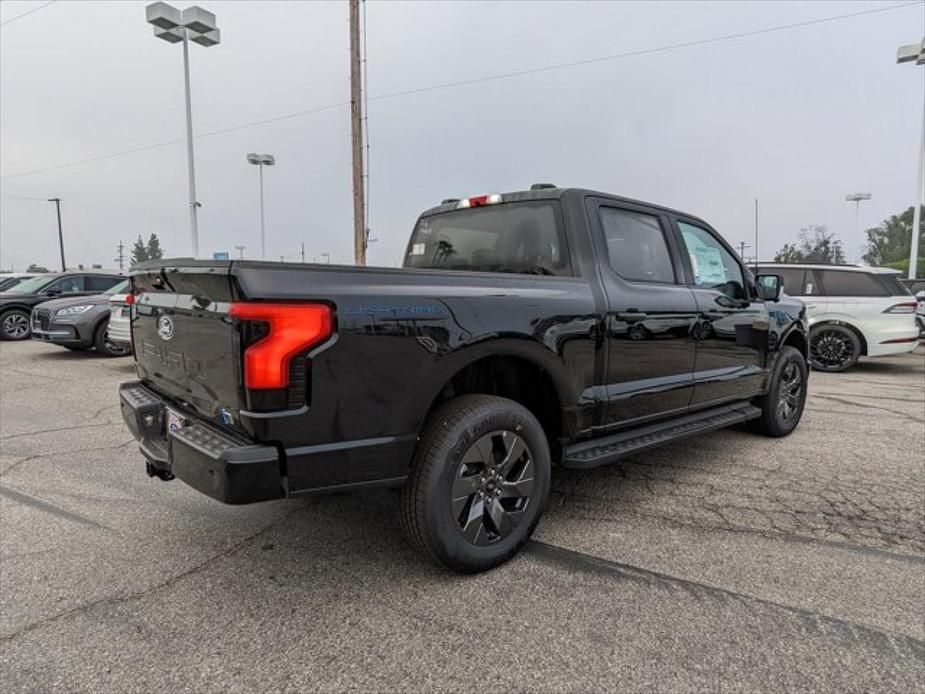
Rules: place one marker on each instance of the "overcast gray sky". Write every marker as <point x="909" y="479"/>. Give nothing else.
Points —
<point x="798" y="118"/>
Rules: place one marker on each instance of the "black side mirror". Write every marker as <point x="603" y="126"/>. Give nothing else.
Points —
<point x="769" y="287"/>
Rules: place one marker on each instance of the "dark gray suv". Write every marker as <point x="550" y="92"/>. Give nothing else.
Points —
<point x="79" y="322"/>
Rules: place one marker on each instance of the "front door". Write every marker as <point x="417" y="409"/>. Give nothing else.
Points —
<point x="649" y="348"/>
<point x="733" y="330"/>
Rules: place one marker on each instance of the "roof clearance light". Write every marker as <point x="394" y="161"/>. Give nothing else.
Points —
<point x="479" y="201"/>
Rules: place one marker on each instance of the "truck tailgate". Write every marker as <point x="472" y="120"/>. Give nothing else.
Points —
<point x="186" y="345"/>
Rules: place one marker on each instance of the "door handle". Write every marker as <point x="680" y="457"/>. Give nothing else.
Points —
<point x="631" y="316"/>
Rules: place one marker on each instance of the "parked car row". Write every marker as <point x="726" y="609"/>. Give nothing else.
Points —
<point x="853" y="311"/>
<point x="72" y="309"/>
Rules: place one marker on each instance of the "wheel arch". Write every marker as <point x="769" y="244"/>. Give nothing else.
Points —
<point x="519" y="371"/>
<point x="845" y="324"/>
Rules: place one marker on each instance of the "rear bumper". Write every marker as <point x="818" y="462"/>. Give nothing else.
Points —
<point x="227" y="468"/>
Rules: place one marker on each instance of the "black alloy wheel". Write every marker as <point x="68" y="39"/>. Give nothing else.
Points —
<point x="14" y="325"/>
<point x="478" y="482"/>
<point x="789" y="392"/>
<point x="833" y="348"/>
<point x="782" y="405"/>
<point x="492" y="488"/>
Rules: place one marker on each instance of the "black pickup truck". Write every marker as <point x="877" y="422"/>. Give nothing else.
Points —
<point x="549" y="326"/>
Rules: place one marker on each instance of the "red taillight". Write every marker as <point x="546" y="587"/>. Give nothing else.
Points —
<point x="129" y="299"/>
<point x="293" y="329"/>
<point x="906" y="307"/>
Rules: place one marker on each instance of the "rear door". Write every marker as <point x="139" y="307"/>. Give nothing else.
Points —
<point x="852" y="294"/>
<point x="733" y="327"/>
<point x="649" y="357"/>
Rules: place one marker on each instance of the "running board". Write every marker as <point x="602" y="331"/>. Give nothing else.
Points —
<point x="607" y="449"/>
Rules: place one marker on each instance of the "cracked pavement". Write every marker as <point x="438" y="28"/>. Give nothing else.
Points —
<point x="727" y="562"/>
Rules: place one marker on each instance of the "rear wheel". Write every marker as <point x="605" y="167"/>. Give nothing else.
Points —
<point x="782" y="406"/>
<point x="478" y="483"/>
<point x="14" y="325"/>
<point x="833" y="348"/>
<point x="107" y="347"/>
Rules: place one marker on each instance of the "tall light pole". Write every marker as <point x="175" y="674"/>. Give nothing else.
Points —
<point x="906" y="54"/>
<point x="57" y="202"/>
<point x="197" y="25"/>
<point x="261" y="160"/>
<point x="856" y="198"/>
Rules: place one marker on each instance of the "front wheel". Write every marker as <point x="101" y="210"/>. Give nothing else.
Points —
<point x="14" y="325"/>
<point x="478" y="483"/>
<point x="107" y="347"/>
<point x="782" y="406"/>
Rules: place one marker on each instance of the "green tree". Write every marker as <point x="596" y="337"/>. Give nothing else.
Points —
<point x="139" y="251"/>
<point x="37" y="268"/>
<point x="789" y="254"/>
<point x="155" y="252"/>
<point x="888" y="244"/>
<point x="820" y="246"/>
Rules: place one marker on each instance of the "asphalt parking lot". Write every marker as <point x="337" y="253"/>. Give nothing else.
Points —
<point x="729" y="562"/>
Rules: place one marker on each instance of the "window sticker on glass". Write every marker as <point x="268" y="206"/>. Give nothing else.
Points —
<point x="707" y="264"/>
<point x="417" y="249"/>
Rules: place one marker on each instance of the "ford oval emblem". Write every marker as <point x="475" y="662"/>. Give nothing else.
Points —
<point x="165" y="327"/>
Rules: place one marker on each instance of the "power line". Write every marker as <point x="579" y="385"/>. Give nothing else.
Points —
<point x="478" y="80"/>
<point x="20" y="16"/>
<point x="145" y="148"/>
<point x="22" y="197"/>
<point x="646" y="51"/>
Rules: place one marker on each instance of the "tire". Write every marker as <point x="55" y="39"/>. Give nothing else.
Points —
<point x="104" y="346"/>
<point x="14" y="325"/>
<point x="833" y="348"/>
<point x="478" y="483"/>
<point x="782" y="406"/>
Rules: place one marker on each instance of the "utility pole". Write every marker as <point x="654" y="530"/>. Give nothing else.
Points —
<point x="303" y="251"/>
<point x="356" y="130"/>
<point x="121" y="257"/>
<point x="57" y="202"/>
<point x="240" y="250"/>
<point x="742" y="247"/>
<point x="756" y="236"/>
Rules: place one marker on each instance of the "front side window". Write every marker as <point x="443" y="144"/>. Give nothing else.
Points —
<point x="793" y="279"/>
<point x="67" y="285"/>
<point x="518" y="237"/>
<point x="636" y="245"/>
<point x="847" y="283"/>
<point x="713" y="266"/>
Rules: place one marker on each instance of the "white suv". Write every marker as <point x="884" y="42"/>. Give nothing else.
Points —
<point x="852" y="311"/>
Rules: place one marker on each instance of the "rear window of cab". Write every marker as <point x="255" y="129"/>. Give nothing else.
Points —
<point x="516" y="237"/>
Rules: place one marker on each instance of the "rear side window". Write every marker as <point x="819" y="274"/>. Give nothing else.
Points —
<point x="845" y="283"/>
<point x="894" y="285"/>
<point x="95" y="283"/>
<point x="519" y="237"/>
<point x="636" y="245"/>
